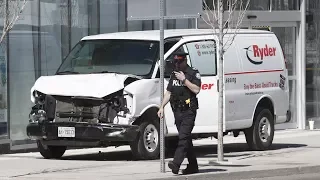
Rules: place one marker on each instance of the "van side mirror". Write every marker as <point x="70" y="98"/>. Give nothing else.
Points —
<point x="168" y="68"/>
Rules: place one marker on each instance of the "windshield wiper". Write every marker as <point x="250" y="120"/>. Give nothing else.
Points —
<point x="105" y="72"/>
<point x="67" y="72"/>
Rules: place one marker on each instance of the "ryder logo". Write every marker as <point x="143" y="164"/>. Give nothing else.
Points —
<point x="256" y="55"/>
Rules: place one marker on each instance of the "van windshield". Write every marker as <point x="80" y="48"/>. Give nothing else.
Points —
<point x="111" y="55"/>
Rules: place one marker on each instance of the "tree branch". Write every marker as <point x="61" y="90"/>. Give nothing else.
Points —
<point x="13" y="10"/>
<point x="210" y="22"/>
<point x="242" y="13"/>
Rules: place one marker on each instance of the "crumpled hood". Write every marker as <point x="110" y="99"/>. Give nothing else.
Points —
<point x="88" y="85"/>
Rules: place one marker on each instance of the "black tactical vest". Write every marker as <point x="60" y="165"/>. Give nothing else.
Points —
<point x="180" y="92"/>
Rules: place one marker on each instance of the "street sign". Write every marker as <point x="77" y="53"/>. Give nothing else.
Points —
<point x="160" y="10"/>
<point x="173" y="9"/>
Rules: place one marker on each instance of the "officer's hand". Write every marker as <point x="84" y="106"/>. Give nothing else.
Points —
<point x="180" y="75"/>
<point x="160" y="113"/>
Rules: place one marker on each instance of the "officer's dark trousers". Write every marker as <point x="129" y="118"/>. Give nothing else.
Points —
<point x="185" y="122"/>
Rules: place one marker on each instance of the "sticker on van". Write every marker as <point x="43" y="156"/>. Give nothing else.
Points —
<point x="259" y="53"/>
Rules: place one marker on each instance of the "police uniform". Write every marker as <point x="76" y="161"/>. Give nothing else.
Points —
<point x="184" y="104"/>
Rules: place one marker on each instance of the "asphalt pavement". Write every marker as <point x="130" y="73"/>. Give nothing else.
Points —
<point x="299" y="173"/>
<point x="313" y="176"/>
<point x="292" y="156"/>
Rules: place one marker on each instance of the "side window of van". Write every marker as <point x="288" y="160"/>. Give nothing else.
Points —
<point x="203" y="56"/>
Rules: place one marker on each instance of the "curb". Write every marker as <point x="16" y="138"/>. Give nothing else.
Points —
<point x="247" y="174"/>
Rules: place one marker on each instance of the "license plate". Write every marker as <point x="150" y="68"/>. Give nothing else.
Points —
<point x="66" y="132"/>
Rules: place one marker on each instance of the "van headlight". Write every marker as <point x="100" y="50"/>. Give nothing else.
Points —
<point x="39" y="97"/>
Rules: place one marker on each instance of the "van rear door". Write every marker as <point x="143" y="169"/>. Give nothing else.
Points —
<point x="263" y="70"/>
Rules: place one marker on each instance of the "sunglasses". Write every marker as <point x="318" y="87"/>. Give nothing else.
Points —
<point x="178" y="61"/>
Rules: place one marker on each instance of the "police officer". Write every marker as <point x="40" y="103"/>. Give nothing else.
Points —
<point x="184" y="85"/>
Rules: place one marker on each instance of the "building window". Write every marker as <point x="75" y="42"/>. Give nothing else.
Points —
<point x="284" y="5"/>
<point x="256" y="5"/>
<point x="313" y="62"/>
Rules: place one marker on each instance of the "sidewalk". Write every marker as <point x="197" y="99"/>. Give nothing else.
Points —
<point x="291" y="149"/>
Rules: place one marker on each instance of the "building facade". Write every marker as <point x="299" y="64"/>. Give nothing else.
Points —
<point x="48" y="29"/>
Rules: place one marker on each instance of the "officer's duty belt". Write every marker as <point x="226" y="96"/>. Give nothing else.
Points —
<point x="181" y="105"/>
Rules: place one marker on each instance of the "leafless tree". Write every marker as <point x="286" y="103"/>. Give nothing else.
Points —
<point x="236" y="10"/>
<point x="214" y="17"/>
<point x="10" y="11"/>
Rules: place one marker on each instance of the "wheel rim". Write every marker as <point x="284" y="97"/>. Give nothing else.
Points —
<point x="150" y="138"/>
<point x="264" y="129"/>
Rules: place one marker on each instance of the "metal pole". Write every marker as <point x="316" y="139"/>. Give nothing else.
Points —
<point x="161" y="22"/>
<point x="220" y="116"/>
<point x="196" y="23"/>
<point x="303" y="64"/>
<point x="298" y="75"/>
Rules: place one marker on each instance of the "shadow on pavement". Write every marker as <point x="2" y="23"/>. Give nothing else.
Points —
<point x="222" y="165"/>
<point x="201" y="171"/>
<point x="102" y="156"/>
<point x="210" y="170"/>
<point x="239" y="150"/>
<point x="243" y="147"/>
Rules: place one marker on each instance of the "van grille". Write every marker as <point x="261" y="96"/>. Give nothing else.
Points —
<point x="68" y="112"/>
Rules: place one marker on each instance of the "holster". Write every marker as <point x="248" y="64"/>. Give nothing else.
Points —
<point x="180" y="106"/>
<point x="183" y="105"/>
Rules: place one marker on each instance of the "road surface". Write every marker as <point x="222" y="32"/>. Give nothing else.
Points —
<point x="292" y="156"/>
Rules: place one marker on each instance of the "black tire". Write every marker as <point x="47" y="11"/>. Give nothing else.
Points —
<point x="51" y="152"/>
<point x="252" y="134"/>
<point x="141" y="151"/>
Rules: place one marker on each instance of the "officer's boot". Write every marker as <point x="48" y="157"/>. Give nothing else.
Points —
<point x="174" y="168"/>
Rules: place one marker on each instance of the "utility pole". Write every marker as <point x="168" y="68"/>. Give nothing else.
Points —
<point x="161" y="24"/>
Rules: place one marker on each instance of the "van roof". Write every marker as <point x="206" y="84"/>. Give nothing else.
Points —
<point x="154" y="35"/>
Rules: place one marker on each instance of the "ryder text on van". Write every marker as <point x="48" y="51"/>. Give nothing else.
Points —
<point x="264" y="52"/>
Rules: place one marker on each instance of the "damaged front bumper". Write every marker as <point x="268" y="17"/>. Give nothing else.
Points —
<point x="81" y="134"/>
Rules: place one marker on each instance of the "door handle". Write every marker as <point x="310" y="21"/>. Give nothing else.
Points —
<point x="218" y="85"/>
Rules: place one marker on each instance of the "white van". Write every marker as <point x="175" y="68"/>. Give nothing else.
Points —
<point x="106" y="92"/>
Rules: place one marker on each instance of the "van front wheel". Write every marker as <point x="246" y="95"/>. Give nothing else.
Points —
<point x="147" y="144"/>
<point x="51" y="152"/>
<point x="260" y="135"/>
